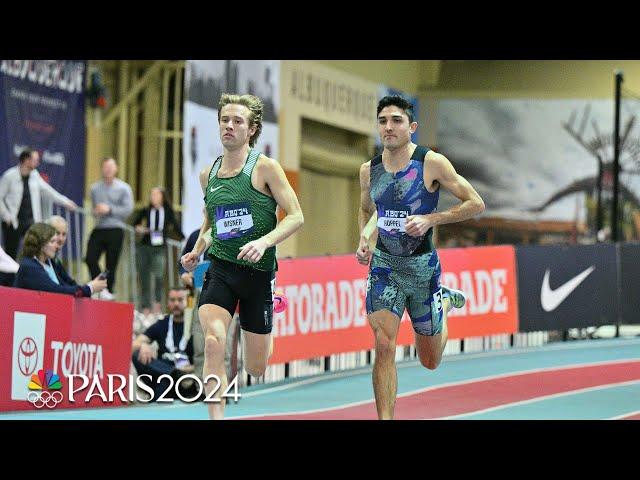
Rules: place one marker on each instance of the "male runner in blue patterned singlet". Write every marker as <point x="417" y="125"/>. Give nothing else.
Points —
<point x="402" y="186"/>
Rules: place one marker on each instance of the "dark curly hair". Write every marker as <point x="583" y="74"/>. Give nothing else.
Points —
<point x="397" y="101"/>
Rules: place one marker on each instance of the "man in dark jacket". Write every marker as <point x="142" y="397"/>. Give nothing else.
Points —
<point x="175" y="346"/>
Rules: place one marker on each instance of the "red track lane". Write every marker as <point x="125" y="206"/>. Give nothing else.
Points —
<point x="631" y="417"/>
<point x="473" y="396"/>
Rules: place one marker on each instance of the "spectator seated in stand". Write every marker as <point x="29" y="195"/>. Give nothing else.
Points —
<point x="36" y="270"/>
<point x="175" y="348"/>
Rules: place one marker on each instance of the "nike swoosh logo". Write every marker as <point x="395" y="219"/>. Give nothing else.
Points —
<point x="214" y="189"/>
<point x="550" y="299"/>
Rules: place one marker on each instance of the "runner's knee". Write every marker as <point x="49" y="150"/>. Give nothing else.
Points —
<point x="255" y="368"/>
<point x="213" y="347"/>
<point x="385" y="344"/>
<point x="429" y="361"/>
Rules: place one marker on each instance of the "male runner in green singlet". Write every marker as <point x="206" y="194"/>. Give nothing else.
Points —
<point x="242" y="189"/>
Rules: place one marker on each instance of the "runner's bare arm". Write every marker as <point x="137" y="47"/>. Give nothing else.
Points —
<point x="367" y="215"/>
<point x="441" y="170"/>
<point x="190" y="259"/>
<point x="286" y="198"/>
<point x="276" y="182"/>
<point x="202" y="243"/>
<point x="447" y="176"/>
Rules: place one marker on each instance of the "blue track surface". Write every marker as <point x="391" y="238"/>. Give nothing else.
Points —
<point x="354" y="386"/>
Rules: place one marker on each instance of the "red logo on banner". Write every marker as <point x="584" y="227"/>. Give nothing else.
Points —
<point x="82" y="337"/>
<point x="27" y="356"/>
<point x="326" y="308"/>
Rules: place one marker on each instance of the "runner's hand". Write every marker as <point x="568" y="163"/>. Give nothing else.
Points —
<point x="417" y="225"/>
<point x="364" y="253"/>
<point x="253" y="251"/>
<point x="189" y="261"/>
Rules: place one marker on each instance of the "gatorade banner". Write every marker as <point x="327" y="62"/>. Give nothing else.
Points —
<point x="327" y="314"/>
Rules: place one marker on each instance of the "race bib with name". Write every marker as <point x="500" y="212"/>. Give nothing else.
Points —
<point x="392" y="221"/>
<point x="233" y="221"/>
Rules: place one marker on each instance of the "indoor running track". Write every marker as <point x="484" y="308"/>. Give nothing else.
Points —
<point x="579" y="380"/>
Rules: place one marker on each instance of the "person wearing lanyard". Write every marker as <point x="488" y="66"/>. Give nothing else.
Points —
<point x="152" y="223"/>
<point x="175" y="347"/>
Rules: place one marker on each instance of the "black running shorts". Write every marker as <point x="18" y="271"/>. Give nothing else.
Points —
<point x="226" y="284"/>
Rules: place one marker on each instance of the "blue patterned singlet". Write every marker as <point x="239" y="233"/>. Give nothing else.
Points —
<point x="398" y="195"/>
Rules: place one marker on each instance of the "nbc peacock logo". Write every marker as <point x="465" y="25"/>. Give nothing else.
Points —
<point x="45" y="389"/>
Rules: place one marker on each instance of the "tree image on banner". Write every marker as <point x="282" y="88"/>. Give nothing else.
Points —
<point x="599" y="188"/>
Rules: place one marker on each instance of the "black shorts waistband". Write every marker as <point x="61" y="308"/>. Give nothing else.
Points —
<point x="235" y="266"/>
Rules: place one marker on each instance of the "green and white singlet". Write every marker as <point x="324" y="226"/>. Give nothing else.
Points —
<point x="239" y="214"/>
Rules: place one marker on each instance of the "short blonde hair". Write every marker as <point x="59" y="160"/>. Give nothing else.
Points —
<point x="255" y="106"/>
<point x="53" y="219"/>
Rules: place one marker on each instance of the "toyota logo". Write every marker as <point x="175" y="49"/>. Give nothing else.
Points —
<point x="28" y="356"/>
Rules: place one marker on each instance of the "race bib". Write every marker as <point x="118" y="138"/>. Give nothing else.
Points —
<point x="392" y="221"/>
<point x="437" y="300"/>
<point x="156" y="238"/>
<point x="233" y="221"/>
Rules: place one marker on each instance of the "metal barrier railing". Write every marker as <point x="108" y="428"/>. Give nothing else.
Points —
<point x="79" y="225"/>
<point x="174" y="251"/>
<point x="72" y="249"/>
<point x="131" y="267"/>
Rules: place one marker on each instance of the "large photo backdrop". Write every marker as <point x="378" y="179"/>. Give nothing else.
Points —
<point x="205" y="81"/>
<point x="538" y="159"/>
